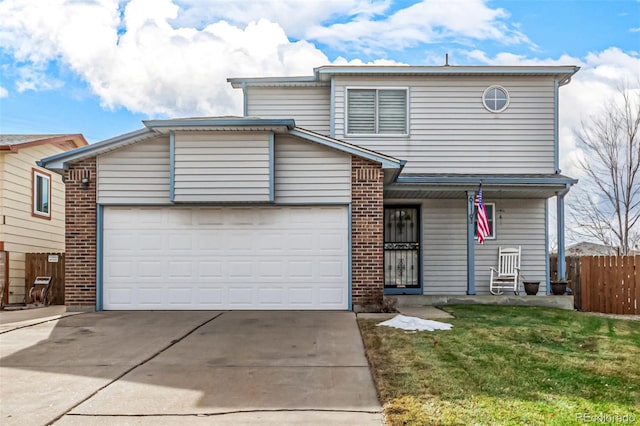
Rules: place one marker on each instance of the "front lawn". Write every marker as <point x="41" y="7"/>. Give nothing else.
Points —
<point x="508" y="365"/>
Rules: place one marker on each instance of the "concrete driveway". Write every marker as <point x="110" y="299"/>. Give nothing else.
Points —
<point x="198" y="367"/>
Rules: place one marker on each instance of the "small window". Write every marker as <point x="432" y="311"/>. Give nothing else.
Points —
<point x="41" y="194"/>
<point x="491" y="209"/>
<point x="377" y="111"/>
<point x="495" y="99"/>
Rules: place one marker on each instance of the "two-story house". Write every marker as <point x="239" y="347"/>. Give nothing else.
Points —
<point x="32" y="211"/>
<point x="330" y="191"/>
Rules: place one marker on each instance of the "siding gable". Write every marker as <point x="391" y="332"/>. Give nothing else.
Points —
<point x="222" y="167"/>
<point x="310" y="106"/>
<point x="307" y="172"/>
<point x="136" y="174"/>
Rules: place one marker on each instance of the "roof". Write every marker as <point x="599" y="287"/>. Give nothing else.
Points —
<point x="494" y="186"/>
<point x="585" y="248"/>
<point x="153" y="128"/>
<point x="325" y="73"/>
<point x="65" y="142"/>
<point x="494" y="179"/>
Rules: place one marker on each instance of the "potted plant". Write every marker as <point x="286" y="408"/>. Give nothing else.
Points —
<point x="530" y="287"/>
<point x="559" y="286"/>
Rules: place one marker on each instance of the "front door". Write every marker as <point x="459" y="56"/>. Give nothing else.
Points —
<point x="402" y="249"/>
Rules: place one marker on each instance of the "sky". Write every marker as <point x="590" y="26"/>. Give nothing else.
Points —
<point x="99" y="67"/>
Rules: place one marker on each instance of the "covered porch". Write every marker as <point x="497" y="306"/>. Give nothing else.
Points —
<point x="441" y="256"/>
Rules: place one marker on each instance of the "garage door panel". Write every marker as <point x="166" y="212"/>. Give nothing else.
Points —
<point x="225" y="258"/>
<point x="209" y="269"/>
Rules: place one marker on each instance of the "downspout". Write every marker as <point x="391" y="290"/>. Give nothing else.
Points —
<point x="332" y="112"/>
<point x="561" y="194"/>
<point x="245" y="106"/>
<point x="556" y="120"/>
<point x="560" y="232"/>
<point x="556" y="130"/>
<point x="471" y="263"/>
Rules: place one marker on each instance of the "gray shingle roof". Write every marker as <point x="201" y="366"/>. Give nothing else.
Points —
<point x="19" y="139"/>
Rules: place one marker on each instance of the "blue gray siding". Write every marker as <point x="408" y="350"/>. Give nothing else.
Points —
<point x="308" y="105"/>
<point x="310" y="173"/>
<point x="450" y="131"/>
<point x="135" y="174"/>
<point x="222" y="167"/>
<point x="444" y="242"/>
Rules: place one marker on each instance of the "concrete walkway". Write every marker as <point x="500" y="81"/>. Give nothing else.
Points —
<point x="198" y="367"/>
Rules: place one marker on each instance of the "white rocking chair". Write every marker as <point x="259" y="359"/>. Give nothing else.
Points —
<point x="508" y="273"/>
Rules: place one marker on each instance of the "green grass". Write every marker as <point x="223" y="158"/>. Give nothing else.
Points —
<point x="507" y="365"/>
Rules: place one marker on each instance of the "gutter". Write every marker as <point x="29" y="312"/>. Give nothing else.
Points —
<point x="489" y="180"/>
<point x="394" y="178"/>
<point x="557" y="83"/>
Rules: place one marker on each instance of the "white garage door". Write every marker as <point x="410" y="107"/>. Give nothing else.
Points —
<point x="225" y="258"/>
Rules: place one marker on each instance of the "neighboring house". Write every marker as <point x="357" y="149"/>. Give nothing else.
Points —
<point x="31" y="205"/>
<point x="585" y="248"/>
<point x="331" y="191"/>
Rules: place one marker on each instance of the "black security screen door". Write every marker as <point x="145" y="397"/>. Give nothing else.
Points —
<point x="401" y="247"/>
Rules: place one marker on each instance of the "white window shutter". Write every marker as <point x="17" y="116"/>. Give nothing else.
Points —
<point x="392" y="110"/>
<point x="361" y="114"/>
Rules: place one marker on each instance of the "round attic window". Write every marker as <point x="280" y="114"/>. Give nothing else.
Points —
<point x="495" y="98"/>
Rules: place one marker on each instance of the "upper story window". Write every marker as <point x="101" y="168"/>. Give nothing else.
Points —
<point x="41" y="194"/>
<point x="377" y="111"/>
<point x="495" y="98"/>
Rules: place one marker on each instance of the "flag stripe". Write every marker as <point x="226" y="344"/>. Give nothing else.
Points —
<point x="483" y="230"/>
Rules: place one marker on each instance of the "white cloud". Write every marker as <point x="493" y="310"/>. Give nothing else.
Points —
<point x="4" y="93"/>
<point x="294" y="16"/>
<point x="152" y="67"/>
<point x="36" y="78"/>
<point x="428" y="21"/>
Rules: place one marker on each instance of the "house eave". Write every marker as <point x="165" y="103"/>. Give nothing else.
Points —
<point x="238" y="83"/>
<point x="495" y="187"/>
<point x="60" y="141"/>
<point x="59" y="162"/>
<point x="164" y="126"/>
<point x="554" y="179"/>
<point x="325" y="73"/>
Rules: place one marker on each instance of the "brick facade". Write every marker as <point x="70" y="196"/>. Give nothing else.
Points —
<point x="80" y="236"/>
<point x="367" y="234"/>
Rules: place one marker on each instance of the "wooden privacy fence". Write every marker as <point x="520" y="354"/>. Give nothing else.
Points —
<point x="610" y="284"/>
<point x="46" y="264"/>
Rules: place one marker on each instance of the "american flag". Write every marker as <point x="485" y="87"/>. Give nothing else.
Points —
<point x="483" y="230"/>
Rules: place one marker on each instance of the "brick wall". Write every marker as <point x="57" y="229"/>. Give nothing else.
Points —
<point x="80" y="237"/>
<point x="367" y="234"/>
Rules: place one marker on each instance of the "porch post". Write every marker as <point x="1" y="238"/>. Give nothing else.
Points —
<point x="471" y="275"/>
<point x="560" y="232"/>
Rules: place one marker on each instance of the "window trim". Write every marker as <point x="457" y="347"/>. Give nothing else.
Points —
<point x="491" y="219"/>
<point x="377" y="89"/>
<point x="506" y="105"/>
<point x="34" y="212"/>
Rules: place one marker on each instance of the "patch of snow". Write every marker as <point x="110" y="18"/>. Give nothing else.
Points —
<point x="415" y="324"/>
